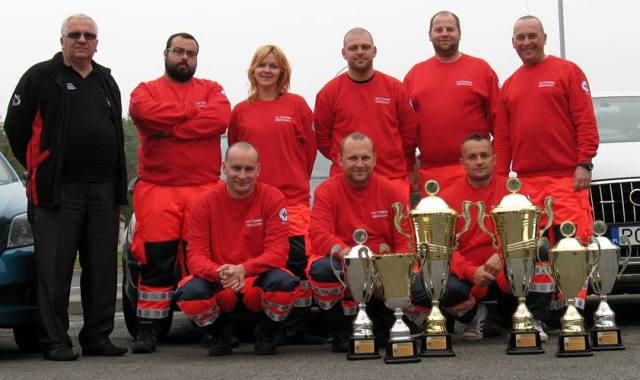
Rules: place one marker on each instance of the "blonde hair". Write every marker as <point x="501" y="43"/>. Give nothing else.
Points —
<point x="281" y="60"/>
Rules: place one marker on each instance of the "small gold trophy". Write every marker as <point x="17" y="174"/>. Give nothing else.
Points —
<point x="572" y="263"/>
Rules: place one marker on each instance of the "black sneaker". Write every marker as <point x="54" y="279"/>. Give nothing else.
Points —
<point x="103" y="348"/>
<point x="145" y="342"/>
<point x="61" y="352"/>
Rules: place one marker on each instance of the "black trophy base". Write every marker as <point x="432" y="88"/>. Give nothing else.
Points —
<point x="570" y="346"/>
<point x="525" y="343"/>
<point x="401" y="352"/>
<point x="606" y="340"/>
<point x="363" y="349"/>
<point x="436" y="346"/>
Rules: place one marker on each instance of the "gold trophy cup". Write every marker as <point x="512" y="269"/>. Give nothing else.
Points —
<point x="605" y="335"/>
<point x="572" y="263"/>
<point x="395" y="274"/>
<point x="518" y="236"/>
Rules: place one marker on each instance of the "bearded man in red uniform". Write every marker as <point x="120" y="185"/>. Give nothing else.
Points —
<point x="356" y="198"/>
<point x="179" y="120"/>
<point x="477" y="270"/>
<point x="367" y="101"/>
<point x="552" y="135"/>
<point x="238" y="248"/>
<point x="453" y="95"/>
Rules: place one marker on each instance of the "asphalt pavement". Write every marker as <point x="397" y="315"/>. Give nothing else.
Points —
<point x="181" y="356"/>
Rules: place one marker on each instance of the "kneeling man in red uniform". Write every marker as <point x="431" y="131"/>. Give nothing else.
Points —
<point x="238" y="247"/>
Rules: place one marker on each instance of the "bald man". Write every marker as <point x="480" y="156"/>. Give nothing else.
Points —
<point x="367" y="101"/>
<point x="238" y="248"/>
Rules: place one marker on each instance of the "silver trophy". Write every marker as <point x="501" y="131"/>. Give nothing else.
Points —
<point x="605" y="334"/>
<point x="360" y="277"/>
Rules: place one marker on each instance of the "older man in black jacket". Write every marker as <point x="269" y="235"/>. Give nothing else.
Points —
<point x="64" y="125"/>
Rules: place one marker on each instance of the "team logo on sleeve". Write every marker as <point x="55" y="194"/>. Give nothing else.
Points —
<point x="284" y="217"/>
<point x="585" y="86"/>
<point x="16" y="100"/>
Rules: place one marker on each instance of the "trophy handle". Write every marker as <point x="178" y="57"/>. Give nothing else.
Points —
<point x="369" y="272"/>
<point x="336" y="272"/>
<point x="548" y="203"/>
<point x="594" y="259"/>
<point x="466" y="215"/>
<point x="624" y="240"/>
<point x="481" y="216"/>
<point x="397" y="220"/>
<point x="423" y="250"/>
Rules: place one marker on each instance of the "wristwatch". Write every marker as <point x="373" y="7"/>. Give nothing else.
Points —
<point x="586" y="165"/>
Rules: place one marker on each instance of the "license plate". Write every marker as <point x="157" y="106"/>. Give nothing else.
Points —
<point x="632" y="232"/>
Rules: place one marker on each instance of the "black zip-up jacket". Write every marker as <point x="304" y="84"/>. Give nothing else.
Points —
<point x="36" y="126"/>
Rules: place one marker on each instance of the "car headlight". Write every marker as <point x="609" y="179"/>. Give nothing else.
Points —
<point x="20" y="234"/>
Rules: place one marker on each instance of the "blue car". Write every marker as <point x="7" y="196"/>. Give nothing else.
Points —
<point x="17" y="261"/>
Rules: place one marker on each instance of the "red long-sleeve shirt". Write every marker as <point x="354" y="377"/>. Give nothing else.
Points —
<point x="252" y="232"/>
<point x="552" y="124"/>
<point x="281" y="130"/>
<point x="475" y="246"/>
<point x="179" y="126"/>
<point x="339" y="209"/>
<point x="378" y="108"/>
<point x="452" y="101"/>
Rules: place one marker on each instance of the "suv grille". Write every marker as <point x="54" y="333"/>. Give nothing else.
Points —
<point x="610" y="201"/>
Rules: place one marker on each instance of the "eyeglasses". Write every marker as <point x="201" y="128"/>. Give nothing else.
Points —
<point x="180" y="52"/>
<point x="87" y="35"/>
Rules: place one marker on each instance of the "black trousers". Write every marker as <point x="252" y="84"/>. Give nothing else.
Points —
<point x="86" y="222"/>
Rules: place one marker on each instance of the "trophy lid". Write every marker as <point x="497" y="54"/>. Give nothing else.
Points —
<point x="432" y="203"/>
<point x="360" y="237"/>
<point x="568" y="243"/>
<point x="600" y="228"/>
<point x="515" y="199"/>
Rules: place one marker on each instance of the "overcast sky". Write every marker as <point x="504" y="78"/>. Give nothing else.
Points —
<point x="602" y="37"/>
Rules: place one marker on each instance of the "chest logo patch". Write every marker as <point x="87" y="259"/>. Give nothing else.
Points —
<point x="252" y="223"/>
<point x="282" y="119"/>
<point x="71" y="86"/>
<point x="462" y="82"/>
<point x="546" y="83"/>
<point x="382" y="100"/>
<point x="379" y="214"/>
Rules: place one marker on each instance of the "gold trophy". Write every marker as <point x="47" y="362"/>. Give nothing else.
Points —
<point x="360" y="279"/>
<point x="572" y="263"/>
<point x="518" y="237"/>
<point x="434" y="224"/>
<point x="605" y="335"/>
<point x="395" y="274"/>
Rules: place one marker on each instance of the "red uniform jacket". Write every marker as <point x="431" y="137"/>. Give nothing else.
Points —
<point x="339" y="209"/>
<point x="252" y="232"/>
<point x="378" y="108"/>
<point x="552" y="125"/>
<point x="281" y="130"/>
<point x="452" y="101"/>
<point x="179" y="126"/>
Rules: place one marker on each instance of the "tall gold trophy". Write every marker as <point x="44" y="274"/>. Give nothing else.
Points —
<point x="434" y="224"/>
<point x="395" y="274"/>
<point x="572" y="263"/>
<point x="605" y="335"/>
<point x="518" y="237"/>
<point x="360" y="278"/>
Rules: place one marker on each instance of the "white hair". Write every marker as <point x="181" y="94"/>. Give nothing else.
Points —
<point x="79" y="16"/>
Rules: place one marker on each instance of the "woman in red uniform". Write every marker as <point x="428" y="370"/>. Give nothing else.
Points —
<point x="279" y="124"/>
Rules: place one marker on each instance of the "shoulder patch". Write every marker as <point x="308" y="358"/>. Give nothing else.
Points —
<point x="283" y="215"/>
<point x="585" y="86"/>
<point x="16" y="100"/>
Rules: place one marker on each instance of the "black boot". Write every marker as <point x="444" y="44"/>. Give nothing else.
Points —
<point x="297" y="328"/>
<point x="341" y="329"/>
<point x="146" y="339"/>
<point x="220" y="333"/>
<point x="265" y="336"/>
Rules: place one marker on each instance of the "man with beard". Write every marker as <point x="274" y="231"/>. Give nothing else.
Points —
<point x="179" y="120"/>
<point x="453" y="95"/>
<point x="367" y="101"/>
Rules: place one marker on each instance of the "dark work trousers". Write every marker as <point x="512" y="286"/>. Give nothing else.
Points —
<point x="86" y="222"/>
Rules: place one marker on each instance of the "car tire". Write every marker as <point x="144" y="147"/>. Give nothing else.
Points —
<point x="27" y="338"/>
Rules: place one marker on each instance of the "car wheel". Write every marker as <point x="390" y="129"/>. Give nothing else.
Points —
<point x="27" y="338"/>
